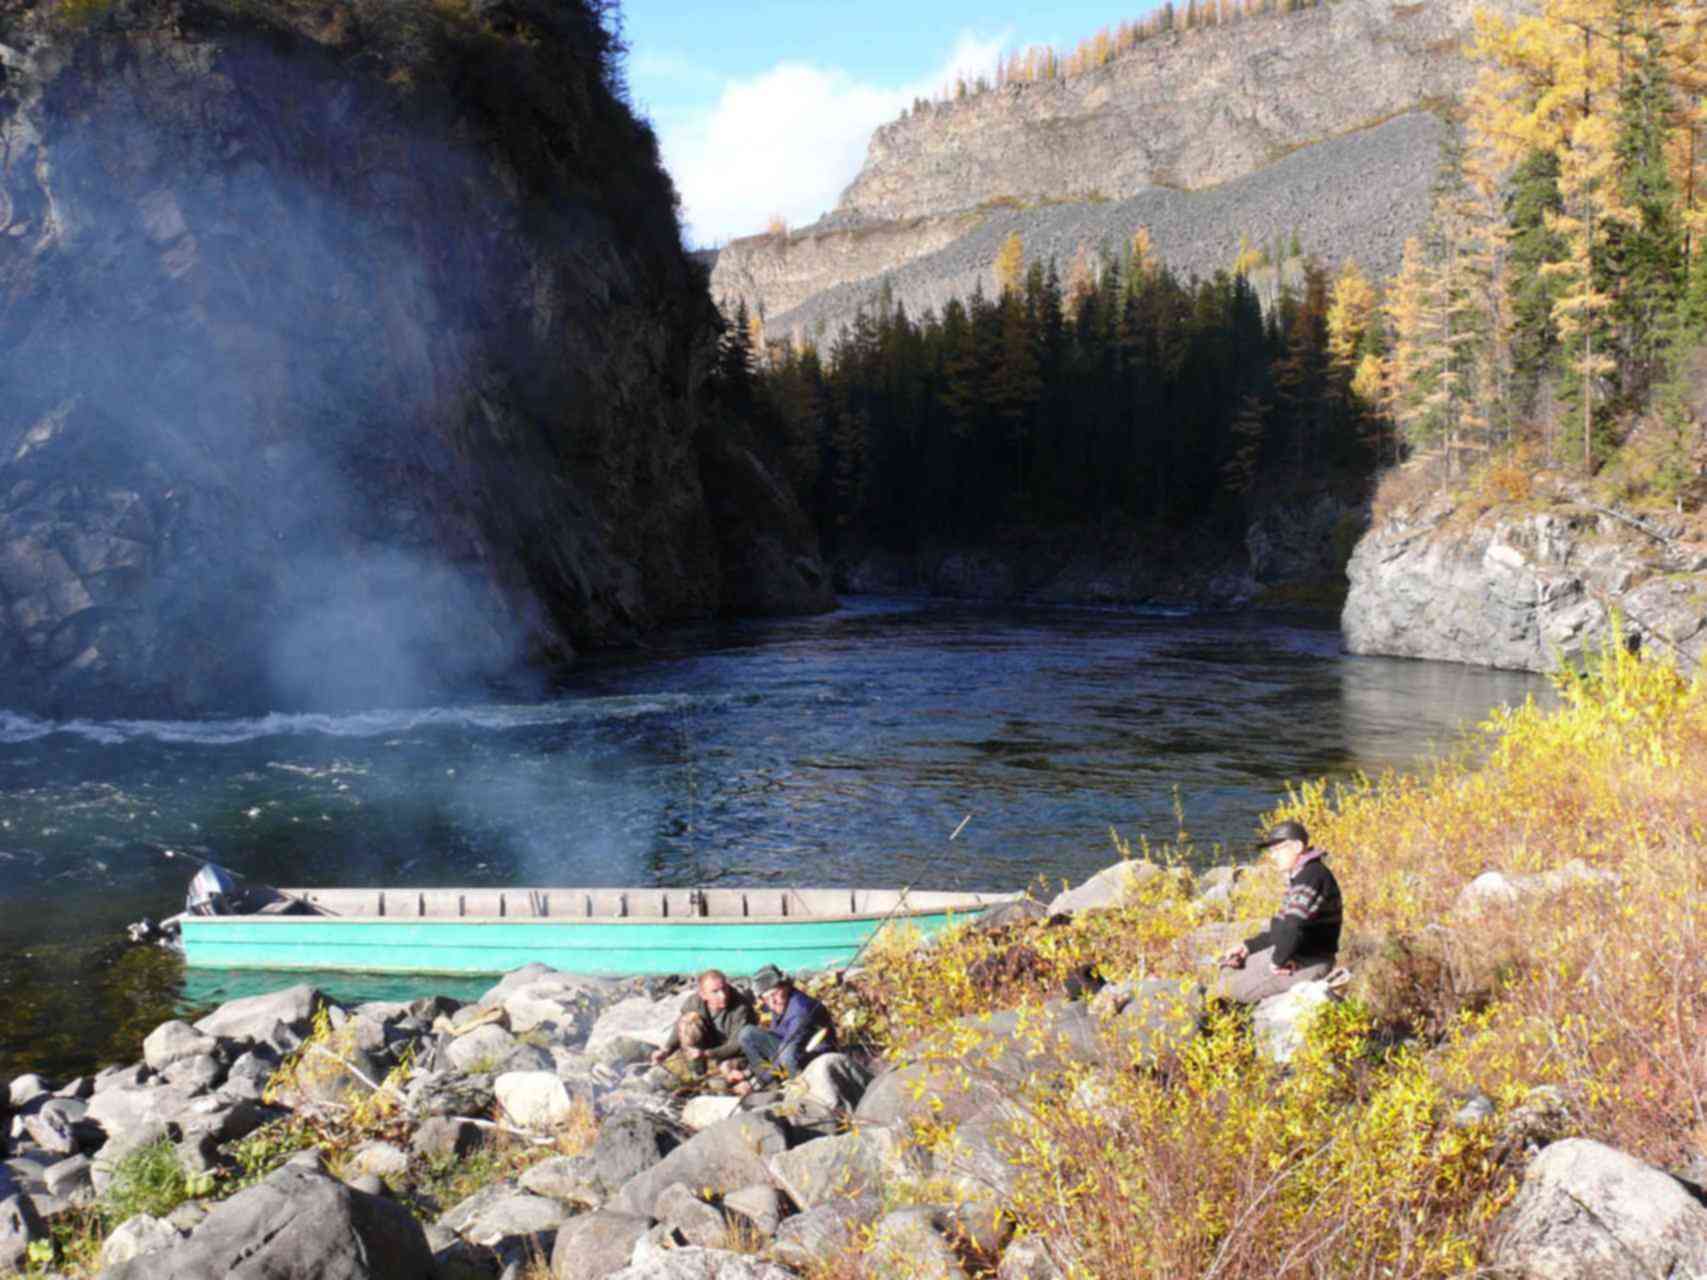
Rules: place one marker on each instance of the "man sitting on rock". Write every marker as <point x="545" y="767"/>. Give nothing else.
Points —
<point x="1301" y="941"/>
<point x="708" y="1032"/>
<point x="801" y="1029"/>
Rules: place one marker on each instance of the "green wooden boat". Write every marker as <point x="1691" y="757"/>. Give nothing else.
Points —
<point x="611" y="932"/>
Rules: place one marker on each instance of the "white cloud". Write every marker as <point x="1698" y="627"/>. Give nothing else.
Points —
<point x="788" y="140"/>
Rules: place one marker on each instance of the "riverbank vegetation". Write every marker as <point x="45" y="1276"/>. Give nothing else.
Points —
<point x="1569" y="995"/>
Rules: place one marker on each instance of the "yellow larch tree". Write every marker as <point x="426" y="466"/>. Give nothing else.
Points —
<point x="1010" y="264"/>
<point x="1351" y="307"/>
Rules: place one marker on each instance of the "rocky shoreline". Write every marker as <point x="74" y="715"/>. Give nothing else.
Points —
<point x="608" y="1170"/>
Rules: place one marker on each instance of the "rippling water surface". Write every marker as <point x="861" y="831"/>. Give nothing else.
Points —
<point x="826" y="751"/>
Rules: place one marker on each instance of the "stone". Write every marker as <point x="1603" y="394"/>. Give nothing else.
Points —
<point x="517" y="1216"/>
<point x="622" y="1051"/>
<point x="596" y="1245"/>
<point x="977" y="1162"/>
<point x="1279" y="1022"/>
<point x="1155" y="1016"/>
<point x="58" y="1126"/>
<point x="534" y="1099"/>
<point x="828" y="1231"/>
<point x="847" y="1166"/>
<point x="567" y="1012"/>
<point x="1493" y="889"/>
<point x="1476" y="1109"/>
<point x="368" y="1183"/>
<point x="136" y="1236"/>
<point x="481" y="1050"/>
<point x="1021" y="911"/>
<point x="69" y="1177"/>
<point x="133" y="1076"/>
<point x="81" y="1087"/>
<point x="447" y="1093"/>
<point x="706" y="1109"/>
<point x="832" y="1081"/>
<point x="703" y="1264"/>
<point x="295" y="1222"/>
<point x="446" y="1138"/>
<point x="1215" y="886"/>
<point x="638" y="1018"/>
<point x="915" y="1242"/>
<point x="694" y="1220"/>
<point x="761" y="1205"/>
<point x="731" y="1154"/>
<point x="571" y="1179"/>
<point x="631" y="1142"/>
<point x="253" y="1019"/>
<point x="935" y="1088"/>
<point x="170" y="1041"/>
<point x="382" y="1159"/>
<point x="1586" y="1211"/>
<point x="1111" y="887"/>
<point x="224" y="1119"/>
<point x="25" y="1089"/>
<point x="198" y="1072"/>
<point x="20" y="1227"/>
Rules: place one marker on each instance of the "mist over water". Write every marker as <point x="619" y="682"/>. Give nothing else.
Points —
<point x="821" y="751"/>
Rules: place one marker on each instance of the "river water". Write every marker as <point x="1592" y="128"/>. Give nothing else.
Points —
<point x="838" y="750"/>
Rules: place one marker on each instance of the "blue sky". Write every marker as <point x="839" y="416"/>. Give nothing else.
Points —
<point x="766" y="108"/>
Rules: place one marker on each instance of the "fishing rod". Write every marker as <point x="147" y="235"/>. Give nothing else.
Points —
<point x="900" y="901"/>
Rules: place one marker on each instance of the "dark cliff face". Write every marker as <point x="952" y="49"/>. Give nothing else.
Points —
<point x="348" y="352"/>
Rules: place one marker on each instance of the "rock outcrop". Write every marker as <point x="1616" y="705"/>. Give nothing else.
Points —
<point x="1522" y="588"/>
<point x="348" y="352"/>
<point x="1313" y="122"/>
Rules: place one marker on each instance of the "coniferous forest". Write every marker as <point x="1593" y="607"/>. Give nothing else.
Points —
<point x="1550" y="319"/>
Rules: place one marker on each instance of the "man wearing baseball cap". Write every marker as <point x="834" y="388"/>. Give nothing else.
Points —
<point x="801" y="1028"/>
<point x="1301" y="941"/>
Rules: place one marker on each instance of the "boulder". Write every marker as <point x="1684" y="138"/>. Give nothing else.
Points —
<point x="637" y="1018"/>
<point x="198" y="1072"/>
<point x="832" y="1081"/>
<point x="631" y="1142"/>
<point x="977" y="1162"/>
<point x="254" y="1019"/>
<point x="596" y="1245"/>
<point x="516" y="1217"/>
<point x="20" y="1227"/>
<point x="828" y="1231"/>
<point x="1494" y="889"/>
<point x="703" y="1264"/>
<point x="1111" y="887"/>
<point x="695" y="1221"/>
<point x="483" y="1049"/>
<point x="1151" y="1017"/>
<point x="847" y="1166"/>
<point x="731" y="1154"/>
<point x="571" y="1179"/>
<point x="136" y="1236"/>
<point x="446" y="1138"/>
<point x="1279" y="1022"/>
<point x="449" y="1093"/>
<point x="915" y="1242"/>
<point x="763" y="1206"/>
<point x="1215" y="886"/>
<point x="1588" y="1212"/>
<point x="933" y="1089"/>
<point x="295" y="1222"/>
<point x="25" y="1089"/>
<point x="707" y="1109"/>
<point x="69" y="1178"/>
<point x="133" y="1076"/>
<point x="617" y="1052"/>
<point x="568" y="1011"/>
<point x="60" y="1126"/>
<point x="534" y="1099"/>
<point x="382" y="1159"/>
<point x="170" y="1041"/>
<point x="1020" y="911"/>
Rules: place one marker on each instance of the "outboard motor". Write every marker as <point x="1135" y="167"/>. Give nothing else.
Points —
<point x="212" y="892"/>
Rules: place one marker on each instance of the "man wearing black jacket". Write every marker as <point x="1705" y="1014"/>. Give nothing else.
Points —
<point x="1301" y="941"/>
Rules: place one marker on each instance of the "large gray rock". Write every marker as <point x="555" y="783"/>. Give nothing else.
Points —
<point x="20" y="1227"/>
<point x="171" y="1041"/>
<point x="1280" y="1022"/>
<point x="446" y="1138"/>
<point x="915" y="1242"/>
<point x="484" y="1049"/>
<point x="254" y="1019"/>
<point x="534" y="1099"/>
<point x="571" y="1179"/>
<point x="1028" y="1258"/>
<point x="694" y="1220"/>
<point x="732" y="1154"/>
<point x="596" y="1245"/>
<point x="136" y="1236"/>
<point x="707" y="1109"/>
<point x="296" y="1222"/>
<point x="1498" y="889"/>
<point x="631" y="1142"/>
<point x="828" y="1231"/>
<point x="638" y="1018"/>
<point x="763" y="1206"/>
<point x="936" y="1088"/>
<point x="25" y="1089"/>
<point x="847" y="1166"/>
<point x="515" y="1216"/>
<point x="1113" y="886"/>
<point x="832" y="1081"/>
<point x="1145" y="1019"/>
<point x="704" y="1264"/>
<point x="1588" y="1212"/>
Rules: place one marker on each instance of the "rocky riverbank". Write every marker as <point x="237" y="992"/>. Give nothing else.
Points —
<point x="526" y="1134"/>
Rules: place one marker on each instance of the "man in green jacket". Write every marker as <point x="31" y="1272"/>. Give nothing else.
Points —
<point x="721" y="1012"/>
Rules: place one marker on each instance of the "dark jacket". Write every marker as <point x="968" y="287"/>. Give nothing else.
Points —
<point x="1307" y="928"/>
<point x="726" y="1027"/>
<point x="802" y="1018"/>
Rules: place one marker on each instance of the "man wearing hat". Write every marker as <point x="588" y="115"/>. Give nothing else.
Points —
<point x="1301" y="941"/>
<point x="801" y="1029"/>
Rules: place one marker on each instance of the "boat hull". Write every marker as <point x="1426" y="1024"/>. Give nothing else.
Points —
<point x="613" y="948"/>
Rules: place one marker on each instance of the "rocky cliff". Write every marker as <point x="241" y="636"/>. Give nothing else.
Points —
<point x="349" y="352"/>
<point x="1524" y="587"/>
<point x="1132" y="144"/>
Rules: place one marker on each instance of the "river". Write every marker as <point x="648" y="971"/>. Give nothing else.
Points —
<point x="843" y="749"/>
